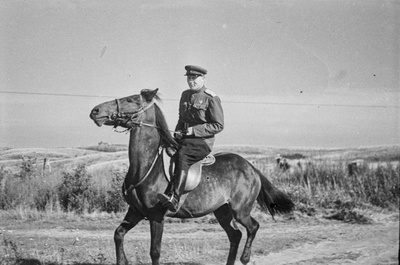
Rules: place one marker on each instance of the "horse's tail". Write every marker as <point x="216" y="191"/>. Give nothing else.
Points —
<point x="271" y="199"/>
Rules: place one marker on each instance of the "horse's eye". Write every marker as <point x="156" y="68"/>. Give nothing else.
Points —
<point x="129" y="100"/>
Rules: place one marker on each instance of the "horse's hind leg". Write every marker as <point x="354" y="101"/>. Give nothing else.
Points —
<point x="251" y="226"/>
<point x="131" y="219"/>
<point x="224" y="217"/>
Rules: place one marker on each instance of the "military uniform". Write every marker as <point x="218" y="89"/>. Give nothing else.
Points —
<point x="201" y="112"/>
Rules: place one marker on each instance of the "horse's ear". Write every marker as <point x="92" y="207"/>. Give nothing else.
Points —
<point x="148" y="94"/>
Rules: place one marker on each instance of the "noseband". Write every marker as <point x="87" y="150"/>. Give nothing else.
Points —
<point x="119" y="117"/>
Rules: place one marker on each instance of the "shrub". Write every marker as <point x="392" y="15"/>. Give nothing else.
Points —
<point x="323" y="183"/>
<point x="294" y="156"/>
<point x="381" y="186"/>
<point x="78" y="192"/>
<point x="4" y="175"/>
<point x="45" y="197"/>
<point x="26" y="188"/>
<point x="116" y="201"/>
<point x="28" y="167"/>
<point x="75" y="190"/>
<point x="72" y="190"/>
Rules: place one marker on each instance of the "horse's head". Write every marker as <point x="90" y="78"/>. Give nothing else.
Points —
<point x="124" y="111"/>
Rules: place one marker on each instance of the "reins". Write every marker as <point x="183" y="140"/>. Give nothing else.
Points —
<point x="139" y="124"/>
<point x="131" y="187"/>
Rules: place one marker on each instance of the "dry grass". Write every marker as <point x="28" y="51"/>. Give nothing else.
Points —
<point x="27" y="198"/>
<point x="320" y="183"/>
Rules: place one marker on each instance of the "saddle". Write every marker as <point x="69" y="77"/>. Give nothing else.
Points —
<point x="194" y="174"/>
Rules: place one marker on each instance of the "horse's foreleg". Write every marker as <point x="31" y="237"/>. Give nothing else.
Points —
<point x="156" y="229"/>
<point x="131" y="219"/>
<point x="224" y="217"/>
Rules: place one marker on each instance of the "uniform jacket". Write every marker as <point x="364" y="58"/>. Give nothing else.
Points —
<point x="201" y="110"/>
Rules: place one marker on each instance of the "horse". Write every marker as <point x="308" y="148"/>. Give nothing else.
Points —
<point x="228" y="188"/>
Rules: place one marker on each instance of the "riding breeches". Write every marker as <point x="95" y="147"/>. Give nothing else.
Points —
<point x="192" y="150"/>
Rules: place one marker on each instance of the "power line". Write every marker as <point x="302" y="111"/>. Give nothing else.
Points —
<point x="225" y="101"/>
<point x="56" y="94"/>
<point x="312" y="104"/>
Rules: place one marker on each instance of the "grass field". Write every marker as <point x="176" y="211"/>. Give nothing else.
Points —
<point x="51" y="227"/>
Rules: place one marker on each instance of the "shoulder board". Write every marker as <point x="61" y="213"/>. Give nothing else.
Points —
<point x="210" y="92"/>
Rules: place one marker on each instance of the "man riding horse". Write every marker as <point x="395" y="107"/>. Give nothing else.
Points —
<point x="200" y="118"/>
<point x="232" y="185"/>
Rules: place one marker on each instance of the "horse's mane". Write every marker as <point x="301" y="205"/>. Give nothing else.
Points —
<point x="161" y="123"/>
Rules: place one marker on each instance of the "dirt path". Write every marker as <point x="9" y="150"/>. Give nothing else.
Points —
<point x="366" y="244"/>
<point x="306" y="240"/>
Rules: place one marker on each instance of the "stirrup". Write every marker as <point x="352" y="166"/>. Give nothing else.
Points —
<point x="163" y="198"/>
<point x="169" y="202"/>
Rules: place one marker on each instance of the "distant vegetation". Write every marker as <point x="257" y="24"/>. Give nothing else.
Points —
<point x="330" y="185"/>
<point x="294" y="156"/>
<point x="106" y="147"/>
<point x="74" y="188"/>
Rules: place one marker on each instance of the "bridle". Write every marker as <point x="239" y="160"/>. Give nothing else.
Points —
<point x="119" y="117"/>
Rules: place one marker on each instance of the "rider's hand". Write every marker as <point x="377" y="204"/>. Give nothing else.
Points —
<point x="178" y="135"/>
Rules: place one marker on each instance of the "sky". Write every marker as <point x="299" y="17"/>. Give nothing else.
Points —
<point x="304" y="73"/>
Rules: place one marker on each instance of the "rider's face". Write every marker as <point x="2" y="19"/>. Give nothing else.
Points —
<point x="195" y="82"/>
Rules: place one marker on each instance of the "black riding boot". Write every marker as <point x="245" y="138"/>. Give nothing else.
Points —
<point x="171" y="201"/>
